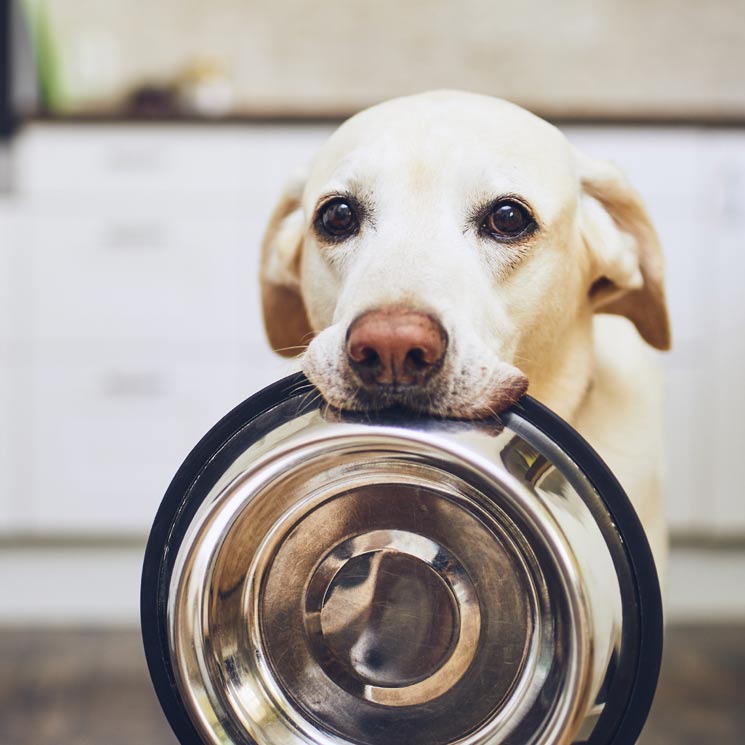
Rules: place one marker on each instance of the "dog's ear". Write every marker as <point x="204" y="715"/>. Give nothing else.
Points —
<point x="285" y="317"/>
<point x="628" y="274"/>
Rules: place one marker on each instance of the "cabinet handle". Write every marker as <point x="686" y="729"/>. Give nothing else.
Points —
<point x="145" y="384"/>
<point x="135" y="159"/>
<point x="734" y="196"/>
<point x="137" y="236"/>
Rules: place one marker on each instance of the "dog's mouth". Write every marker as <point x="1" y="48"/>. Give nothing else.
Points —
<point x="454" y="400"/>
<point x="435" y="403"/>
<point x="412" y="398"/>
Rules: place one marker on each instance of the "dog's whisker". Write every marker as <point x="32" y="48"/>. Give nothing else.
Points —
<point x="309" y="399"/>
<point x="299" y="390"/>
<point x="310" y="402"/>
<point x="350" y="400"/>
<point x="302" y="392"/>
<point x="301" y="347"/>
<point x="301" y="385"/>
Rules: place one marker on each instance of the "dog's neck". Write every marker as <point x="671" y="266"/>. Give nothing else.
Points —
<point x="563" y="381"/>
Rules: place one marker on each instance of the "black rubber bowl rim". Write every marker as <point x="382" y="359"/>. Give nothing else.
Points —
<point x="203" y="466"/>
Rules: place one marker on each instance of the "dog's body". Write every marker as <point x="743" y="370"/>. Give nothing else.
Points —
<point x="448" y="250"/>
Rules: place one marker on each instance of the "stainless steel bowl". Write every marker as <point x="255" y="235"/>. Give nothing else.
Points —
<point x="318" y="577"/>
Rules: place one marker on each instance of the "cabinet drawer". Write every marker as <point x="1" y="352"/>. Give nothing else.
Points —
<point x="145" y="274"/>
<point x="109" y="434"/>
<point x="160" y="158"/>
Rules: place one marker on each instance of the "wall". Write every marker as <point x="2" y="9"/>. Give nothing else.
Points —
<point x="616" y="59"/>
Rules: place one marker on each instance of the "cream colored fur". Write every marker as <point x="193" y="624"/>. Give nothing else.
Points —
<point x="424" y="164"/>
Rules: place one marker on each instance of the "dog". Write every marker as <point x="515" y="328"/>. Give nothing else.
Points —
<point x="447" y="252"/>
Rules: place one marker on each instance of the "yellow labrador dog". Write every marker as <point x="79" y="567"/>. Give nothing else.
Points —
<point x="449" y="251"/>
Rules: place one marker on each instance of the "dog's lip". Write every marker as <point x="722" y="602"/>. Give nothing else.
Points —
<point x="412" y="397"/>
<point x="496" y="394"/>
<point x="427" y="401"/>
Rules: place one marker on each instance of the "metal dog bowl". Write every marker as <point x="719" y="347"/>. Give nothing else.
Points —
<point x="316" y="577"/>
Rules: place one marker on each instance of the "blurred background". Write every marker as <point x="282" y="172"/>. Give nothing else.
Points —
<point x="142" y="146"/>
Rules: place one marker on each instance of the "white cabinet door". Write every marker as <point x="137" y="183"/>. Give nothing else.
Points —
<point x="167" y="272"/>
<point x="112" y="426"/>
<point x="725" y="390"/>
<point x="143" y="253"/>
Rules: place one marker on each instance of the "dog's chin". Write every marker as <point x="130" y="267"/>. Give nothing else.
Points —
<point x="413" y="399"/>
<point x="423" y="400"/>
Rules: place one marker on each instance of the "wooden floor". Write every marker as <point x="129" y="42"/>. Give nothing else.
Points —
<point x="92" y="688"/>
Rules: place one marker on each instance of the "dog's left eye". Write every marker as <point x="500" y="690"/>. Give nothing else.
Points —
<point x="507" y="219"/>
<point x="338" y="219"/>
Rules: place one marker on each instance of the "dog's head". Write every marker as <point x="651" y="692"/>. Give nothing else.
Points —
<point x="446" y="248"/>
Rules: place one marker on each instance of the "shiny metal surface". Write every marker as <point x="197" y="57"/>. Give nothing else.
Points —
<point x="394" y="582"/>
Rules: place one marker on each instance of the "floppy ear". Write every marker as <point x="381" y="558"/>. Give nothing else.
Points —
<point x="285" y="318"/>
<point x="628" y="277"/>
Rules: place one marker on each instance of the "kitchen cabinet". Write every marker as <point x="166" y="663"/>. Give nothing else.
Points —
<point x="130" y="319"/>
<point x="141" y="303"/>
<point x="165" y="273"/>
<point x="723" y="394"/>
<point x="111" y="426"/>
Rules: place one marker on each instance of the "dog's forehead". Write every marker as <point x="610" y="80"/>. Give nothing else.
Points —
<point x="471" y="142"/>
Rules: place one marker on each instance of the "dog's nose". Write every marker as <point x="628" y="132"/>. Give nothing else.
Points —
<point x="402" y="347"/>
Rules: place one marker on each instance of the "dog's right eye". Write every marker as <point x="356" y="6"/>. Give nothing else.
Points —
<point x="337" y="219"/>
<point x="508" y="219"/>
